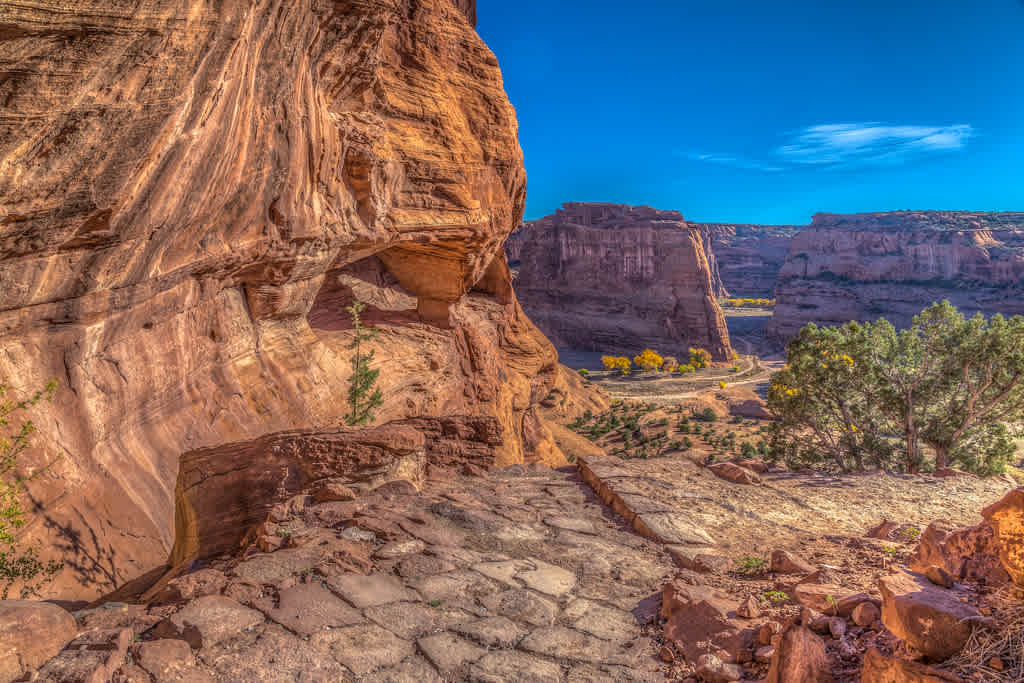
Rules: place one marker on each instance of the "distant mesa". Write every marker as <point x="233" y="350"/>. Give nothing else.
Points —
<point x="893" y="264"/>
<point x="616" y="278"/>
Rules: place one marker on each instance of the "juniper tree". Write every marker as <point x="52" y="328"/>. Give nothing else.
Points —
<point x="363" y="397"/>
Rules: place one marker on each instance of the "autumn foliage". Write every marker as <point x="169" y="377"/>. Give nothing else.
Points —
<point x="649" y="360"/>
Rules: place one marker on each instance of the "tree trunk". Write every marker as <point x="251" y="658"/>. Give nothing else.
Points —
<point x="941" y="455"/>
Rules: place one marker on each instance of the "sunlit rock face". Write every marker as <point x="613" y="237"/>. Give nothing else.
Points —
<point x="745" y="258"/>
<point x="892" y="265"/>
<point x="615" y="278"/>
<point x="192" y="191"/>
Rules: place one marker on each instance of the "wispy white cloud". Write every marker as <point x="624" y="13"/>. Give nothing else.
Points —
<point x="842" y="145"/>
<point x="870" y="143"/>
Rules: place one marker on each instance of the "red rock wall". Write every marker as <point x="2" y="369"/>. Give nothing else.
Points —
<point x="747" y="258"/>
<point x="190" y="191"/>
<point x="893" y="265"/>
<point x="606" y="277"/>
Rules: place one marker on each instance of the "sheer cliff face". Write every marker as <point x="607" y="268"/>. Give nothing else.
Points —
<point x="191" y="192"/>
<point x="892" y="265"/>
<point x="615" y="278"/>
<point x="748" y="258"/>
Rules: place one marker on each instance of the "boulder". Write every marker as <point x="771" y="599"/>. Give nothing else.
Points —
<point x="879" y="668"/>
<point x="92" y="657"/>
<point x="749" y="608"/>
<point x="207" y="621"/>
<point x="939" y="576"/>
<point x="713" y="670"/>
<point x="702" y="563"/>
<point x="929" y="618"/>
<point x="699" y="620"/>
<point x="734" y="473"/>
<point x="849" y="603"/>
<point x="800" y="657"/>
<point x="785" y="562"/>
<point x="31" y="633"/>
<point x="1006" y="518"/>
<point x="822" y="597"/>
<point x="332" y="490"/>
<point x="191" y="586"/>
<point x="865" y="614"/>
<point x="964" y="552"/>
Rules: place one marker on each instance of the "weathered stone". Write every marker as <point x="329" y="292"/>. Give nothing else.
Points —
<point x="734" y="473"/>
<point x="939" y="576"/>
<point x="577" y="524"/>
<point x="493" y="632"/>
<point x="309" y="607"/>
<point x="501" y="666"/>
<point x="191" y="586"/>
<point x="704" y="563"/>
<point x="823" y="597"/>
<point x="601" y="621"/>
<point x="699" y="620"/>
<point x="168" y="660"/>
<point x="410" y="620"/>
<point x="272" y="654"/>
<point x="785" y="562"/>
<point x="331" y="490"/>
<point x="713" y="670"/>
<point x="670" y="528"/>
<point x="411" y="670"/>
<point x="1007" y="519"/>
<point x="749" y="608"/>
<point x="368" y="591"/>
<point x="849" y="603"/>
<point x="548" y="579"/>
<point x="208" y="620"/>
<point x="448" y="652"/>
<point x="92" y="657"/>
<point x="31" y="633"/>
<point x="363" y="648"/>
<point x="929" y="618"/>
<point x="865" y="614"/>
<point x="964" y="552"/>
<point x="372" y="184"/>
<point x="878" y="668"/>
<point x="522" y="605"/>
<point x="395" y="549"/>
<point x="800" y="657"/>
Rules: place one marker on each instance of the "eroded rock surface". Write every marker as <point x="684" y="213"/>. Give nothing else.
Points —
<point x="191" y="193"/>
<point x="608" y="277"/>
<point x="892" y="265"/>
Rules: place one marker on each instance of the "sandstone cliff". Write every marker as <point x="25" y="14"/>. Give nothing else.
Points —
<point x="892" y="265"/>
<point x="748" y="258"/>
<point x="615" y="278"/>
<point x="191" y="192"/>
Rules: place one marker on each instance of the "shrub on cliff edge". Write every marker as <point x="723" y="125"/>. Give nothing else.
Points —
<point x="19" y="564"/>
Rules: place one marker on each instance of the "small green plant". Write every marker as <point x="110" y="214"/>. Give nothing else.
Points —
<point x="584" y="372"/>
<point x="706" y="415"/>
<point x="911" y="533"/>
<point x="833" y="604"/>
<point x="775" y="597"/>
<point x="284" y="533"/>
<point x="890" y="550"/>
<point x="363" y="398"/>
<point x="435" y="603"/>
<point x="751" y="565"/>
<point x="19" y="564"/>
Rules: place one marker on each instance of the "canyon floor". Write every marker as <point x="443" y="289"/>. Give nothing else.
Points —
<point x="524" y="574"/>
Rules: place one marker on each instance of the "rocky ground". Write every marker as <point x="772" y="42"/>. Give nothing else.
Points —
<point x="528" y="573"/>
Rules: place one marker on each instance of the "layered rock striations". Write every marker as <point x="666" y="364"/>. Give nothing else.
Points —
<point x="747" y="258"/>
<point x="892" y="265"/>
<point x="615" y="278"/>
<point x="191" y="192"/>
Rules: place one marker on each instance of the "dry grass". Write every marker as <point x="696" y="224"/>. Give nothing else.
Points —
<point x="1005" y="642"/>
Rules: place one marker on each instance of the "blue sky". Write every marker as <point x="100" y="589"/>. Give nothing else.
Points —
<point x="766" y="112"/>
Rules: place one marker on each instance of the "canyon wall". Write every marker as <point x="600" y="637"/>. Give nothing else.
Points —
<point x="747" y="258"/>
<point x="192" y="192"/>
<point x="892" y="265"/>
<point x="617" y="279"/>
